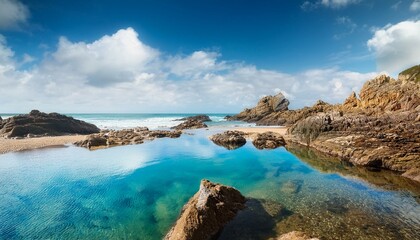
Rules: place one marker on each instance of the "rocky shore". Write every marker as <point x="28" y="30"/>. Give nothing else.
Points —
<point x="379" y="128"/>
<point x="112" y="138"/>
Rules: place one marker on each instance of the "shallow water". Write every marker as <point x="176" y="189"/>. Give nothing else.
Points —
<point x="136" y="192"/>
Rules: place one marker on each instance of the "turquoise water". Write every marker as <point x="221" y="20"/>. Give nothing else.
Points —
<point x="152" y="121"/>
<point x="137" y="192"/>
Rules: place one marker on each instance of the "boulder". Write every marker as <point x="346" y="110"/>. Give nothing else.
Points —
<point x="269" y="140"/>
<point x="207" y="212"/>
<point x="38" y="123"/>
<point x="202" y="117"/>
<point x="190" y="124"/>
<point x="93" y="141"/>
<point x="229" y="139"/>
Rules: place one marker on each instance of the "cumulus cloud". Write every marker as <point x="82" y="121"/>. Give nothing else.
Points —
<point x="415" y="5"/>
<point x="12" y="14"/>
<point x="396" y="47"/>
<point x="335" y="4"/>
<point x="119" y="73"/>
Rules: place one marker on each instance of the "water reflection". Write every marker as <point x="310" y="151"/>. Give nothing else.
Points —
<point x="137" y="192"/>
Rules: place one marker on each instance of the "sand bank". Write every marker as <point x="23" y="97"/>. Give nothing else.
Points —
<point x="14" y="145"/>
<point x="251" y="130"/>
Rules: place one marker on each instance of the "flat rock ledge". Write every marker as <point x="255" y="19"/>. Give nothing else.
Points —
<point x="207" y="212"/>
<point x="190" y="124"/>
<point x="268" y="140"/>
<point x="230" y="139"/>
<point x="295" y="235"/>
<point x="111" y="138"/>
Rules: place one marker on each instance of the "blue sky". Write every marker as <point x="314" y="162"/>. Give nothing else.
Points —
<point x="197" y="56"/>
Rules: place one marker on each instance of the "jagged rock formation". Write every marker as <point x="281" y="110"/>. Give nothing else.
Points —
<point x="190" y="124"/>
<point x="379" y="128"/>
<point x="229" y="139"/>
<point x="111" y="138"/>
<point x="269" y="140"/>
<point x="37" y="123"/>
<point x="205" y="214"/>
<point x="201" y="117"/>
<point x="267" y="105"/>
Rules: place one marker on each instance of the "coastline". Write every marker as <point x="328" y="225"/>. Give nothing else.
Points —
<point x="16" y="145"/>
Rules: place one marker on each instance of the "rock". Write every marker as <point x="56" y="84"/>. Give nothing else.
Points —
<point x="378" y="129"/>
<point x="111" y="138"/>
<point x="40" y="124"/>
<point x="229" y="139"/>
<point x="266" y="106"/>
<point x="268" y="140"/>
<point x="203" y="118"/>
<point x="291" y="186"/>
<point x="190" y="124"/>
<point x="295" y="235"/>
<point x="207" y="212"/>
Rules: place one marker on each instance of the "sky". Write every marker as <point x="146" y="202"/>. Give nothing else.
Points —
<point x="166" y="56"/>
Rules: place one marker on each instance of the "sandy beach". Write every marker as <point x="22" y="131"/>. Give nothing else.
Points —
<point x="253" y="131"/>
<point x="14" y="145"/>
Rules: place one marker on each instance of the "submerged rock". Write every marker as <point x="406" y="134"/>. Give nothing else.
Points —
<point x="190" y="124"/>
<point x="37" y="123"/>
<point x="295" y="235"/>
<point x="229" y="139"/>
<point x="268" y="140"/>
<point x="207" y="212"/>
<point x="202" y="118"/>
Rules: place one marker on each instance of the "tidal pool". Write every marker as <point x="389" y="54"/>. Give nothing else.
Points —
<point x="137" y="192"/>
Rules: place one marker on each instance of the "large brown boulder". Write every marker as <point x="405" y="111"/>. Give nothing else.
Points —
<point x="266" y="106"/>
<point x="269" y="140"/>
<point x="207" y="212"/>
<point x="39" y="123"/>
<point x="229" y="139"/>
<point x="190" y="124"/>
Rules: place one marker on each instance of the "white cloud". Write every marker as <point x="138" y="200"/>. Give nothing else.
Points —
<point x="335" y="4"/>
<point x="396" y="46"/>
<point x="415" y="5"/>
<point x="12" y="14"/>
<point x="119" y="73"/>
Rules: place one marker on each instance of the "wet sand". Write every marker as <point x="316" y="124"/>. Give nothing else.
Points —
<point x="15" y="145"/>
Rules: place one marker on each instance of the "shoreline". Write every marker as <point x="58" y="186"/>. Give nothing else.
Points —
<point x="17" y="145"/>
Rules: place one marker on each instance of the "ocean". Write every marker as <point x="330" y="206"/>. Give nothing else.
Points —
<point x="152" y="121"/>
<point x="137" y="191"/>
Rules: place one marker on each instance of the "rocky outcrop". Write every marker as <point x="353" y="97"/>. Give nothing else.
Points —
<point x="205" y="214"/>
<point x="411" y="74"/>
<point x="267" y="105"/>
<point x="269" y="140"/>
<point x="37" y="123"/>
<point x="229" y="139"/>
<point x="295" y="235"/>
<point x="111" y="138"/>
<point x="190" y="124"/>
<point x="201" y="117"/>
<point x="379" y="127"/>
